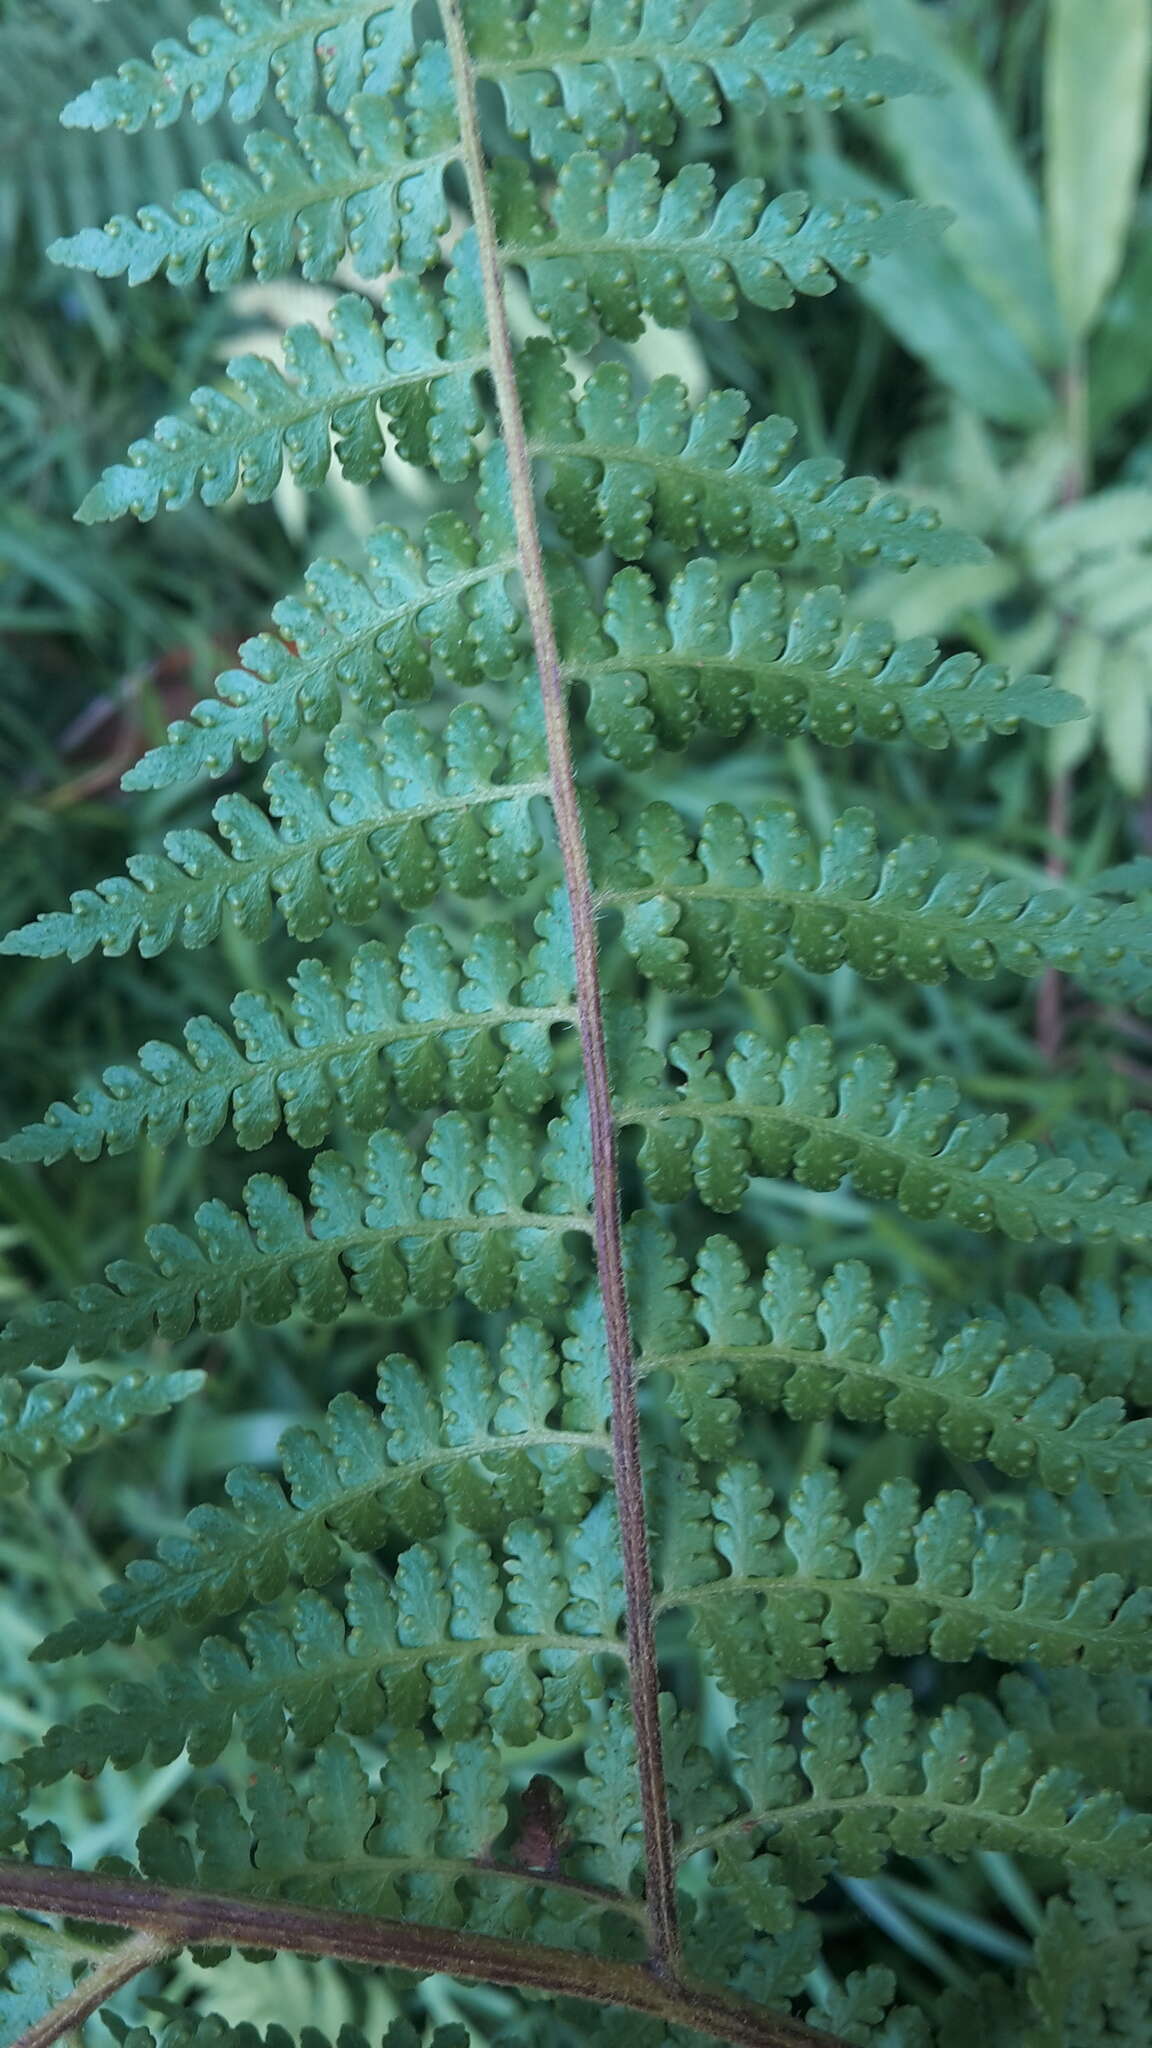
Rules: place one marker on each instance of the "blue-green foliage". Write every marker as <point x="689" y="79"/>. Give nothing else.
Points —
<point x="366" y="1653"/>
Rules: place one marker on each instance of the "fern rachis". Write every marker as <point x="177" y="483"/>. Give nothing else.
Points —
<point x="561" y="1531"/>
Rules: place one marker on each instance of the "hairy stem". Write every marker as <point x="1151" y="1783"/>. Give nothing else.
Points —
<point x="643" y="1669"/>
<point x="171" y="1920"/>
<point x="108" y="1975"/>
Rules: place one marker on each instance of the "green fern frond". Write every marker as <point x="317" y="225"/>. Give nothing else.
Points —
<point x="819" y="1348"/>
<point x="423" y="1030"/>
<point x="396" y="1229"/>
<point x="365" y="640"/>
<point x="407" y="815"/>
<point x="1103" y="1333"/>
<point x="771" y="1599"/>
<point x="614" y="245"/>
<point x="229" y="58"/>
<point x="47" y="1423"/>
<point x="597" y="73"/>
<point x="867" y="1786"/>
<point x="489" y="1447"/>
<point x="789" y="1111"/>
<point x="749" y="891"/>
<point x="1100" y="1726"/>
<point x="371" y="192"/>
<point x="1105" y="1534"/>
<point x="419" y="1842"/>
<point x="658" y="674"/>
<point x="209" y="2030"/>
<point x="1093" y="1964"/>
<point x="417" y="367"/>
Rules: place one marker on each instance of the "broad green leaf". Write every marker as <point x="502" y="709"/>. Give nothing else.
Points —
<point x="955" y="150"/>
<point x="1096" y="85"/>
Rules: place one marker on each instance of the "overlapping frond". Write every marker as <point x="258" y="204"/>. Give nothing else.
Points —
<point x="771" y="1599"/>
<point x="498" y="1441"/>
<point x="405" y="813"/>
<point x="415" y="367"/>
<point x="232" y="57"/>
<point x="595" y="74"/>
<point x="628" y="467"/>
<point x="423" y="1030"/>
<point x="370" y="192"/>
<point x="615" y="244"/>
<point x="358" y="642"/>
<point x="483" y="1217"/>
<point x="750" y="891"/>
<point x="835" y="1346"/>
<point x="789" y="1111"/>
<point x="1093" y="1965"/>
<point x="47" y="1423"/>
<point x="1100" y="1726"/>
<point x="707" y="661"/>
<point x="1103" y="1333"/>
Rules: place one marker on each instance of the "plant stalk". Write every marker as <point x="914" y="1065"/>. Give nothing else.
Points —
<point x="105" y="1977"/>
<point x="169" y="1920"/>
<point x="643" y="1668"/>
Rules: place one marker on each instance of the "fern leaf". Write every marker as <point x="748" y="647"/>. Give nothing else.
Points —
<point x="615" y="245"/>
<point x="1100" y="1726"/>
<point x="418" y="1845"/>
<point x="595" y="74"/>
<point x="1093" y="1958"/>
<point x="1103" y="1333"/>
<point x="628" y="470"/>
<point x="491" y="1446"/>
<point x="417" y="1030"/>
<point x="1105" y="1534"/>
<point x="417" y="366"/>
<point x="398" y="1229"/>
<point x="865" y="1787"/>
<point x="228" y="58"/>
<point x="364" y="640"/>
<point x="819" y="1349"/>
<point x="659" y="673"/>
<point x="750" y="891"/>
<point x="210" y="2030"/>
<point x="47" y="1423"/>
<point x="408" y="814"/>
<point x="371" y="193"/>
<point x="770" y="1599"/>
<point x="789" y="1112"/>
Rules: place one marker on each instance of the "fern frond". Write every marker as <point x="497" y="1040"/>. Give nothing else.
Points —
<point x="867" y="1786"/>
<point x="418" y="1843"/>
<point x="629" y="468"/>
<point x="210" y="2030"/>
<point x="490" y="1446"/>
<point x="409" y="814"/>
<point x="1093" y="1965"/>
<point x="371" y="192"/>
<point x="658" y="673"/>
<point x="1105" y="1534"/>
<point x="817" y="1349"/>
<point x="365" y="640"/>
<point x="397" y="1229"/>
<point x="470" y="1641"/>
<point x="598" y="73"/>
<point x="751" y="890"/>
<point x="423" y="1030"/>
<point x="1103" y="1333"/>
<point x="47" y="1423"/>
<point x="771" y="1599"/>
<point x="776" y="1112"/>
<point x="614" y="245"/>
<point x="417" y="366"/>
<point x="229" y="58"/>
<point x="1100" y="1726"/>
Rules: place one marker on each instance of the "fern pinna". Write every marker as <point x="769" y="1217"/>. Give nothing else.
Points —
<point x="583" y="1649"/>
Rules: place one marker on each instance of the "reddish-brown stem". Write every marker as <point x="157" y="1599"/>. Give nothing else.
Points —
<point x="643" y="1670"/>
<point x="176" y="1919"/>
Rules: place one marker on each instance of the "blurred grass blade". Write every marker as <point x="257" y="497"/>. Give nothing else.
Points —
<point x="954" y="149"/>
<point x="926" y="301"/>
<point x="1096" y="84"/>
